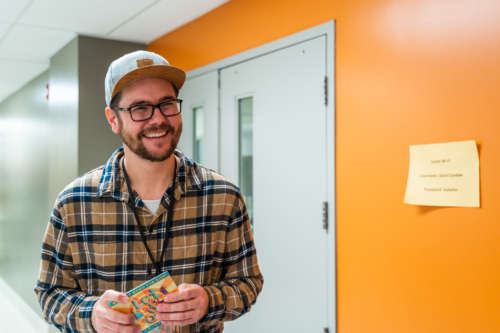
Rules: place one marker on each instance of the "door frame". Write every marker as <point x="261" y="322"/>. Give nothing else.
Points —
<point x="328" y="30"/>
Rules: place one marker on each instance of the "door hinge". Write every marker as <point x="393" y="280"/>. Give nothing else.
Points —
<point x="325" y="215"/>
<point x="326" y="90"/>
<point x="326" y="330"/>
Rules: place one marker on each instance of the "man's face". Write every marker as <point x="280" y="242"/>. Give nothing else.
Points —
<point x="154" y="139"/>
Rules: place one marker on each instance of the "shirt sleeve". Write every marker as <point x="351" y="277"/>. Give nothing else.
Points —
<point x="63" y="303"/>
<point x="242" y="280"/>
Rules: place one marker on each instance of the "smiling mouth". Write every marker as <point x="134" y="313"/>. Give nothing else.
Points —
<point x="155" y="135"/>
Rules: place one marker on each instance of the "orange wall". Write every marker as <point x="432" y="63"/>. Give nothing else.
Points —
<point x="407" y="72"/>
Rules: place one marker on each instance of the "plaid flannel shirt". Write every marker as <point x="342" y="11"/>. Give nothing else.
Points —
<point x="92" y="244"/>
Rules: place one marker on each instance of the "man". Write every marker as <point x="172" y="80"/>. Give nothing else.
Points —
<point x="148" y="210"/>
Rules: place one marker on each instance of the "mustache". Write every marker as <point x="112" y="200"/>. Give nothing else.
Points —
<point x="161" y="127"/>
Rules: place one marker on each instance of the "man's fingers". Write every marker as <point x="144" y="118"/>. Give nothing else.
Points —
<point x="116" y="327"/>
<point x="105" y="319"/>
<point x="186" y="291"/>
<point x="171" y="327"/>
<point x="175" y="316"/>
<point x="105" y="330"/>
<point x="179" y="323"/>
<point x="119" y="317"/>
<point x="105" y="311"/>
<point x="113" y="295"/>
<point x="108" y="312"/>
<point x="187" y="306"/>
<point x="177" y="306"/>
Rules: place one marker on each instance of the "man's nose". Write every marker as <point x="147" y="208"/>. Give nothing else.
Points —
<point x="158" y="115"/>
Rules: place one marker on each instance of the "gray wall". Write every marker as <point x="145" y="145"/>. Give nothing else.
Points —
<point x="24" y="169"/>
<point x="44" y="145"/>
<point x="82" y="137"/>
<point x="63" y="118"/>
<point x="96" y="140"/>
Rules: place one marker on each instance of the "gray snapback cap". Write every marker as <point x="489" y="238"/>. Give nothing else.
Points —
<point x="139" y="65"/>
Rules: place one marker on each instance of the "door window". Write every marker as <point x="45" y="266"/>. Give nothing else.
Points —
<point x="198" y="134"/>
<point x="245" y="125"/>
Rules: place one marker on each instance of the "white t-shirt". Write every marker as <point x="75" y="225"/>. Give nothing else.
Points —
<point x="152" y="205"/>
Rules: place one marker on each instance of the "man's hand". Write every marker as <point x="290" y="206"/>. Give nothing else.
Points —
<point x="187" y="306"/>
<point x="106" y="320"/>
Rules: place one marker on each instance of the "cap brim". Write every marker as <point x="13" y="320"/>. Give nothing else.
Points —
<point x="175" y="75"/>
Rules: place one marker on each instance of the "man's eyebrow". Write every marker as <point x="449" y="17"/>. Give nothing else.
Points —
<point x="139" y="102"/>
<point x="169" y="97"/>
<point x="163" y="99"/>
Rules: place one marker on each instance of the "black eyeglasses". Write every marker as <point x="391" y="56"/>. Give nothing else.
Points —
<point x="142" y="112"/>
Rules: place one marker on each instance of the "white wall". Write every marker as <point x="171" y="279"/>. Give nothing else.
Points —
<point x="16" y="315"/>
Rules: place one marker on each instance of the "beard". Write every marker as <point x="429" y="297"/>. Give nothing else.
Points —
<point x="135" y="144"/>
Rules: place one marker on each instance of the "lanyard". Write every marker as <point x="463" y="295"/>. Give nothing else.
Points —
<point x="131" y="203"/>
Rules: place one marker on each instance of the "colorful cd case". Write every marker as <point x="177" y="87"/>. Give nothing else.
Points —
<point x="143" y="300"/>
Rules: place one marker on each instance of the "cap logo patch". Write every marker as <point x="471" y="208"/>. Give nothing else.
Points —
<point x="144" y="62"/>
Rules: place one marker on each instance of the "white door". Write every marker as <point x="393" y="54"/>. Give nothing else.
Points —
<point x="199" y="139"/>
<point x="273" y="144"/>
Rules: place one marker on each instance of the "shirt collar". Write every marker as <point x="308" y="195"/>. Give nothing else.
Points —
<point x="112" y="181"/>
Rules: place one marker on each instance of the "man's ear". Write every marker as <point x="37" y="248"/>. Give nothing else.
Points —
<point x="112" y="118"/>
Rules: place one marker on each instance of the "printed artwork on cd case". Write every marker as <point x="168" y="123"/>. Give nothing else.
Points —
<point x="143" y="300"/>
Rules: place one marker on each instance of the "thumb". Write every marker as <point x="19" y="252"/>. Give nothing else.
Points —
<point x="184" y="286"/>
<point x="113" y="295"/>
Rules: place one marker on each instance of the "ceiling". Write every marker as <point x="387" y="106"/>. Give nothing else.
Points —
<point x="31" y="31"/>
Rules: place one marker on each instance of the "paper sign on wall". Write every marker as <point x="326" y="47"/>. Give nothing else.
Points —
<point x="444" y="174"/>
